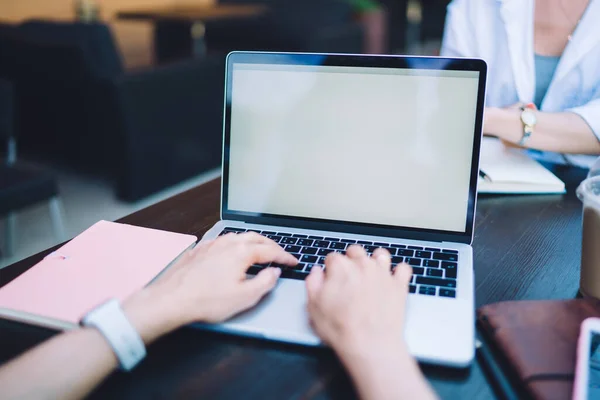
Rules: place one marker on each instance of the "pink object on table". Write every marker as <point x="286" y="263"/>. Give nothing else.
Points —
<point x="108" y="260"/>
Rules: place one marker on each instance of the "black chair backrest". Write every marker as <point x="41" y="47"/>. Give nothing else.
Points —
<point x="93" y="41"/>
<point x="26" y="62"/>
<point x="6" y="27"/>
<point x="7" y="35"/>
<point x="50" y="91"/>
<point x="6" y="110"/>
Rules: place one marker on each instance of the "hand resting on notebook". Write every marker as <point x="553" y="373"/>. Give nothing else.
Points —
<point x="357" y="307"/>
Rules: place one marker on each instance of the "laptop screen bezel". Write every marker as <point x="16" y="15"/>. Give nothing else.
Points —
<point x="371" y="61"/>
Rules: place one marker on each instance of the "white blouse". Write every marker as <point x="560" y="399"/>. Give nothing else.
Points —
<point x="501" y="32"/>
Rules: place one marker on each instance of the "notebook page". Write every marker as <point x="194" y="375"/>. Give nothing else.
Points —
<point x="511" y="165"/>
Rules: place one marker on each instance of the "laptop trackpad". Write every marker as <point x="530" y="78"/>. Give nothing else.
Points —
<point x="281" y="315"/>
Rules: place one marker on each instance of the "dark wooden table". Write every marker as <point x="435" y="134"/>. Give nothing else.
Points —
<point x="526" y="247"/>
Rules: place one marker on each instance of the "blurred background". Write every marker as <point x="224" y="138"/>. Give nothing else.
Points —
<point x="108" y="106"/>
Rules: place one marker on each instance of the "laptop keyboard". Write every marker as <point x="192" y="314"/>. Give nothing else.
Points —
<point x="434" y="269"/>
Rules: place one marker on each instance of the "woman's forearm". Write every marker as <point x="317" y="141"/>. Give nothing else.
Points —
<point x="563" y="132"/>
<point x="72" y="364"/>
<point x="67" y="366"/>
<point x="386" y="374"/>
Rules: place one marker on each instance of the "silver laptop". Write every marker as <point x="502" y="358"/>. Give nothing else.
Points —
<point x="322" y="151"/>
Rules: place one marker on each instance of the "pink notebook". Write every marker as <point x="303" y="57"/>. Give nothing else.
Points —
<point x="108" y="260"/>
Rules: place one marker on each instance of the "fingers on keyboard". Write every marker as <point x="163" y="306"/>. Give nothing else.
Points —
<point x="434" y="269"/>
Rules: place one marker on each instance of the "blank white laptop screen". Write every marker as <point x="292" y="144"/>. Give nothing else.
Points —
<point x="369" y="145"/>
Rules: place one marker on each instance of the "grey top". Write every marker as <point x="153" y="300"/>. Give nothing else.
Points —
<point x="544" y="71"/>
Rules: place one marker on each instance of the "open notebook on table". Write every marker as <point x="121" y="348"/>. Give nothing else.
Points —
<point x="108" y="260"/>
<point x="508" y="170"/>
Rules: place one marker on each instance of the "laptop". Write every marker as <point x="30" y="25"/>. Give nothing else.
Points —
<point x="323" y="151"/>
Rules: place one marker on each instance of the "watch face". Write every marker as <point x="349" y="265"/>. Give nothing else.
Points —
<point x="528" y="117"/>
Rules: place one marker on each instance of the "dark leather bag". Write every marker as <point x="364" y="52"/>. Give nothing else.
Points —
<point x="535" y="342"/>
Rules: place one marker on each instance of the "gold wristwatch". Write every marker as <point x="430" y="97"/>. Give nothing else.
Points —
<point x="528" y="119"/>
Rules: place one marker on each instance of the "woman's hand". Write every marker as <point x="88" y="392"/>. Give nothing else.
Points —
<point x="208" y="284"/>
<point x="358" y="304"/>
<point x="496" y="117"/>
<point x="358" y="307"/>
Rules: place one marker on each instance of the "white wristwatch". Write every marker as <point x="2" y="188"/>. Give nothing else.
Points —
<point x="112" y="323"/>
<point x="529" y="120"/>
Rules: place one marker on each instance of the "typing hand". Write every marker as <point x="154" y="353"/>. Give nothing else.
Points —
<point x="208" y="284"/>
<point x="358" y="308"/>
<point x="358" y="304"/>
<point x="211" y="283"/>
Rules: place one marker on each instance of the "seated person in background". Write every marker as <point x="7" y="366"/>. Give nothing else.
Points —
<point x="357" y="308"/>
<point x="373" y="18"/>
<point x="543" y="52"/>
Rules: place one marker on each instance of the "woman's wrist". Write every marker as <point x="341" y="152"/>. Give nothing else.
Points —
<point x="490" y="118"/>
<point x="153" y="313"/>
<point x="504" y="123"/>
<point x="377" y="353"/>
<point x="375" y="368"/>
<point x="356" y="352"/>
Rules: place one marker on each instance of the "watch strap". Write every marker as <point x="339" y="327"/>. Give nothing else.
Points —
<point x="110" y="320"/>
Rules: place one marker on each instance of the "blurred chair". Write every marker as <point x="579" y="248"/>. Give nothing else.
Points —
<point x="21" y="187"/>
<point x="289" y="25"/>
<point x="431" y="28"/>
<point x="146" y="130"/>
<point x="5" y="26"/>
<point x="6" y="30"/>
<point x="165" y="124"/>
<point x="433" y="19"/>
<point x="397" y="23"/>
<point x="94" y="41"/>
